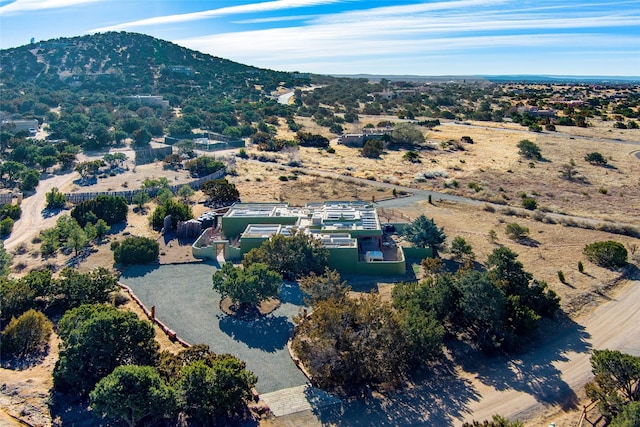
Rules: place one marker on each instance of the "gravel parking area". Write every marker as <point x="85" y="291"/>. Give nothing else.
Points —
<point x="186" y="303"/>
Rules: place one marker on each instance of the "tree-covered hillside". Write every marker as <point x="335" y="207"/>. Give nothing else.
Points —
<point x="128" y="63"/>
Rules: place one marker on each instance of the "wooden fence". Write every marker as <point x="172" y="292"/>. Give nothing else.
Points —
<point x="6" y="199"/>
<point x="76" y="198"/>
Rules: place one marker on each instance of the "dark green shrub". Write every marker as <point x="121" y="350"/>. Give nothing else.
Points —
<point x="135" y="250"/>
<point x="112" y="209"/>
<point x="580" y="267"/>
<point x="515" y="231"/>
<point x="529" y="203"/>
<point x="607" y="254"/>
<point x="561" y="277"/>
<point x="27" y="334"/>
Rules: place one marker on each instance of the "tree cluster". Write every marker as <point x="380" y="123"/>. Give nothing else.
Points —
<point x="111" y="209"/>
<point x="292" y="256"/>
<point x="616" y="386"/>
<point x="135" y="250"/>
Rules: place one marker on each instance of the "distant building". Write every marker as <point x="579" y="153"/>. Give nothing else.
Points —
<point x="351" y="231"/>
<point x="181" y="69"/>
<point x="358" y="139"/>
<point x="14" y="126"/>
<point x="148" y="100"/>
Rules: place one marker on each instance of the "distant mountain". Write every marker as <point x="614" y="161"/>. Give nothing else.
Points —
<point x="129" y="63"/>
<point x="526" y="78"/>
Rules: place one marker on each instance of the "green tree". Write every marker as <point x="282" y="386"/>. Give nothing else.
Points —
<point x="112" y="209"/>
<point x="26" y="335"/>
<point x="515" y="231"/>
<point x="322" y="287"/>
<point x="568" y="171"/>
<point x="607" y="254"/>
<point x="29" y="180"/>
<point x="135" y="250"/>
<point x="529" y="150"/>
<point x="423" y="232"/>
<point x="74" y="289"/>
<point x="5" y="260"/>
<point x="141" y="137"/>
<point x="178" y="211"/>
<point x="215" y="387"/>
<point x="595" y="158"/>
<point x="496" y="421"/>
<point x="249" y="285"/>
<point x="77" y="239"/>
<point x="140" y="199"/>
<point x="529" y="203"/>
<point x="461" y="249"/>
<point x="372" y="149"/>
<point x="12" y="169"/>
<point x="203" y="166"/>
<point x="221" y="192"/>
<point x="616" y="382"/>
<point x="133" y="394"/>
<point x="102" y="228"/>
<point x="347" y="343"/>
<point x="407" y="133"/>
<point x="185" y="192"/>
<point x="95" y="340"/>
<point x="628" y="417"/>
<point x="55" y="199"/>
<point x="6" y="226"/>
<point x="292" y="256"/>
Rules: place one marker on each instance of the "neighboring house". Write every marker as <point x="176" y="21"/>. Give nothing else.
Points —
<point x="148" y="100"/>
<point x="351" y="231"/>
<point x="358" y="139"/>
<point x="14" y="126"/>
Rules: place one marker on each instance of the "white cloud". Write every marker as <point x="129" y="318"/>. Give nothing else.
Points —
<point x="268" y="6"/>
<point x="31" y="5"/>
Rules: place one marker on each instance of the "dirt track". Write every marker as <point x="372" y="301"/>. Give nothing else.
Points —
<point x="31" y="220"/>
<point x="555" y="374"/>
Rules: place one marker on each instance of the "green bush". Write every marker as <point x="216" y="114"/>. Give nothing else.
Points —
<point x="179" y="212"/>
<point x="135" y="250"/>
<point x="608" y="254"/>
<point x="529" y="203"/>
<point x="26" y="335"/>
<point x="515" y="231"/>
<point x="6" y="226"/>
<point x="112" y="209"/>
<point x="529" y="150"/>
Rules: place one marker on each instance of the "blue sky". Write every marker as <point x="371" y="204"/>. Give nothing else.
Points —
<point x="439" y="37"/>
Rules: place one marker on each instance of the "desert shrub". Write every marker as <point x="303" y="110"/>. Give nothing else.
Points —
<point x="580" y="267"/>
<point x="515" y="231"/>
<point x="372" y="148"/>
<point x="561" y="277"/>
<point x="608" y="254"/>
<point x="475" y="186"/>
<point x="10" y="211"/>
<point x="529" y="203"/>
<point x="596" y="158"/>
<point x="135" y="250"/>
<point x="6" y="226"/>
<point x="433" y="174"/>
<point x="411" y="156"/>
<point x="529" y="150"/>
<point x="203" y="165"/>
<point x="27" y="334"/>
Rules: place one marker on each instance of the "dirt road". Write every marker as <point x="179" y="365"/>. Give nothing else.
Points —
<point x="555" y="373"/>
<point x="31" y="220"/>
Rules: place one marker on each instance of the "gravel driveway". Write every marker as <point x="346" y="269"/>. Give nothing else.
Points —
<point x="186" y="303"/>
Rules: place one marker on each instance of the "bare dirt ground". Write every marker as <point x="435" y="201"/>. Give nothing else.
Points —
<point x="606" y="193"/>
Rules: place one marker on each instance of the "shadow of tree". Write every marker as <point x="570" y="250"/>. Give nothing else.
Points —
<point x="290" y="293"/>
<point x="138" y="270"/>
<point x="269" y="333"/>
<point x="533" y="372"/>
<point x="437" y="398"/>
